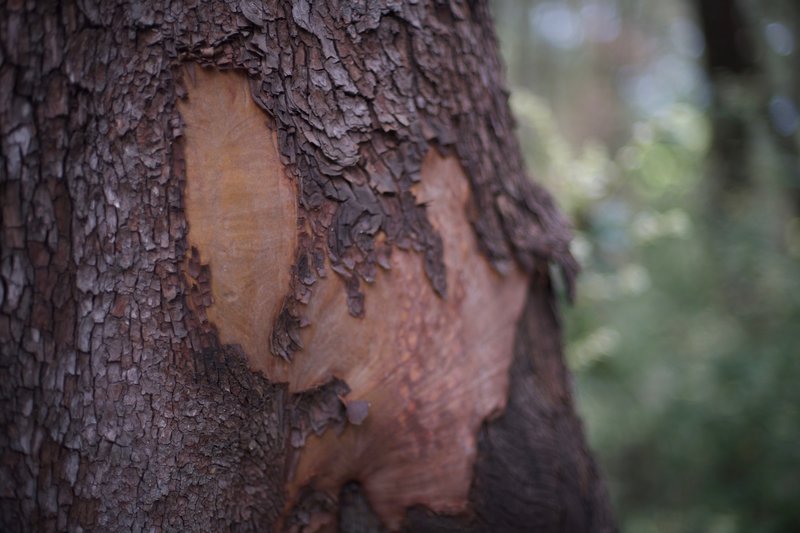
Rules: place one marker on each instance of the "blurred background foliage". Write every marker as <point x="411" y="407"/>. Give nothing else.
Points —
<point x="669" y="131"/>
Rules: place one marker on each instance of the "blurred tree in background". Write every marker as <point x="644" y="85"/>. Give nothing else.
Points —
<point x="670" y="132"/>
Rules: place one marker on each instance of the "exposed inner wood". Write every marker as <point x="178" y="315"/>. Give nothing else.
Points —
<point x="431" y="369"/>
<point x="240" y="206"/>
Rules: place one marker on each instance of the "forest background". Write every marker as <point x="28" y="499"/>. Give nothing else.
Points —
<point x="675" y="153"/>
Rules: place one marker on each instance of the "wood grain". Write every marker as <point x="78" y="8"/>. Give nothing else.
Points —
<point x="240" y="207"/>
<point x="431" y="369"/>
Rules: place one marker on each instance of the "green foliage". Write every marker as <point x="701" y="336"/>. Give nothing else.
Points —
<point x="685" y="337"/>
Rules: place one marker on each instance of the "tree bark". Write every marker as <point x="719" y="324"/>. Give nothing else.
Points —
<point x="143" y="389"/>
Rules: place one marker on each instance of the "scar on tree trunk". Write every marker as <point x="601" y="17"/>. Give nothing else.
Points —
<point x="426" y="370"/>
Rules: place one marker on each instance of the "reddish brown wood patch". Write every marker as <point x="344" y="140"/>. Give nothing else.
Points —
<point x="431" y="369"/>
<point x="240" y="206"/>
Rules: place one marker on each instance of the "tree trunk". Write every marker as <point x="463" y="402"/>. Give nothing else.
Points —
<point x="276" y="266"/>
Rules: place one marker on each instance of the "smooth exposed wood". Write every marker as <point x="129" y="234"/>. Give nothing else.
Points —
<point x="431" y="369"/>
<point x="240" y="207"/>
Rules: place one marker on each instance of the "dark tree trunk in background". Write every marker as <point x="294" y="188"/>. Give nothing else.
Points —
<point x="744" y="89"/>
<point x="752" y="165"/>
<point x="138" y="391"/>
<point x="730" y="65"/>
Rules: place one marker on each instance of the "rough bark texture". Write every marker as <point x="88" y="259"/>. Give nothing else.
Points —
<point x="121" y="409"/>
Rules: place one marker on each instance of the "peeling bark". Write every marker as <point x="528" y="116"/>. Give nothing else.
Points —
<point x="123" y="406"/>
